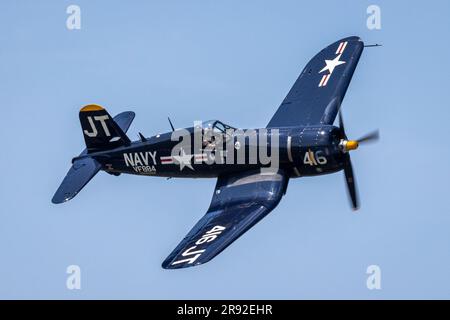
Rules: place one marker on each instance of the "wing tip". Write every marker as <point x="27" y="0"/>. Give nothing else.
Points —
<point x="349" y="38"/>
<point x="58" y="199"/>
<point x="169" y="265"/>
<point x="353" y="37"/>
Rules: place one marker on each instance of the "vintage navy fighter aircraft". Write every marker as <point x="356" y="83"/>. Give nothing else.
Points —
<point x="308" y="144"/>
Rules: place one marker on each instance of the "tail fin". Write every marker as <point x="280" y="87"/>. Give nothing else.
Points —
<point x="84" y="168"/>
<point x="100" y="131"/>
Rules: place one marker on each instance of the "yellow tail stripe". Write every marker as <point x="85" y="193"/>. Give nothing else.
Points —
<point x="91" y="107"/>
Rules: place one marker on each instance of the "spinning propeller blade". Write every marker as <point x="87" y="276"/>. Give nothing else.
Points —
<point x="348" y="145"/>
<point x="351" y="183"/>
<point x="369" y="137"/>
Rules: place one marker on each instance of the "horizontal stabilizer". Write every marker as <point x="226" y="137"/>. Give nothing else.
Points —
<point x="81" y="172"/>
<point x="84" y="167"/>
<point x="124" y="120"/>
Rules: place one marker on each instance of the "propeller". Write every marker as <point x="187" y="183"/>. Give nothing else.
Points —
<point x="351" y="183"/>
<point x="369" y="137"/>
<point x="346" y="146"/>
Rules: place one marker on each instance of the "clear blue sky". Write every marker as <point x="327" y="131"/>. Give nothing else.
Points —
<point x="235" y="61"/>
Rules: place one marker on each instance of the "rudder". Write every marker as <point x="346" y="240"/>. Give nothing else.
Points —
<point x="100" y="131"/>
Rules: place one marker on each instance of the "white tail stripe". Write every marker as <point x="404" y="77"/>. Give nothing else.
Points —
<point x="324" y="80"/>
<point x="341" y="47"/>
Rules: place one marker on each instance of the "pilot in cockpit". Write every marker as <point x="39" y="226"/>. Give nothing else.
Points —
<point x="214" y="131"/>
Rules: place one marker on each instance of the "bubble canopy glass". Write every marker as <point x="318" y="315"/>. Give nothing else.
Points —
<point x="216" y="126"/>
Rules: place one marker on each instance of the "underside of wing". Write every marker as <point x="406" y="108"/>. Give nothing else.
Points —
<point x="238" y="203"/>
<point x="317" y="94"/>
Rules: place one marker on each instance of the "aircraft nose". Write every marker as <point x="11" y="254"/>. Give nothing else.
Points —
<point x="351" y="145"/>
<point x="348" y="145"/>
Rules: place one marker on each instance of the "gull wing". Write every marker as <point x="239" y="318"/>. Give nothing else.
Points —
<point x="239" y="202"/>
<point x="318" y="92"/>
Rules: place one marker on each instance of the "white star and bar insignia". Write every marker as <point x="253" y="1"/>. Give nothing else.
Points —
<point x="183" y="159"/>
<point x="331" y="64"/>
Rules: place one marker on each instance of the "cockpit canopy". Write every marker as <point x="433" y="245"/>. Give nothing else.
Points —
<point x="216" y="125"/>
<point x="215" y="131"/>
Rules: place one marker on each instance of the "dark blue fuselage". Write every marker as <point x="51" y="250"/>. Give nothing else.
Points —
<point x="300" y="151"/>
